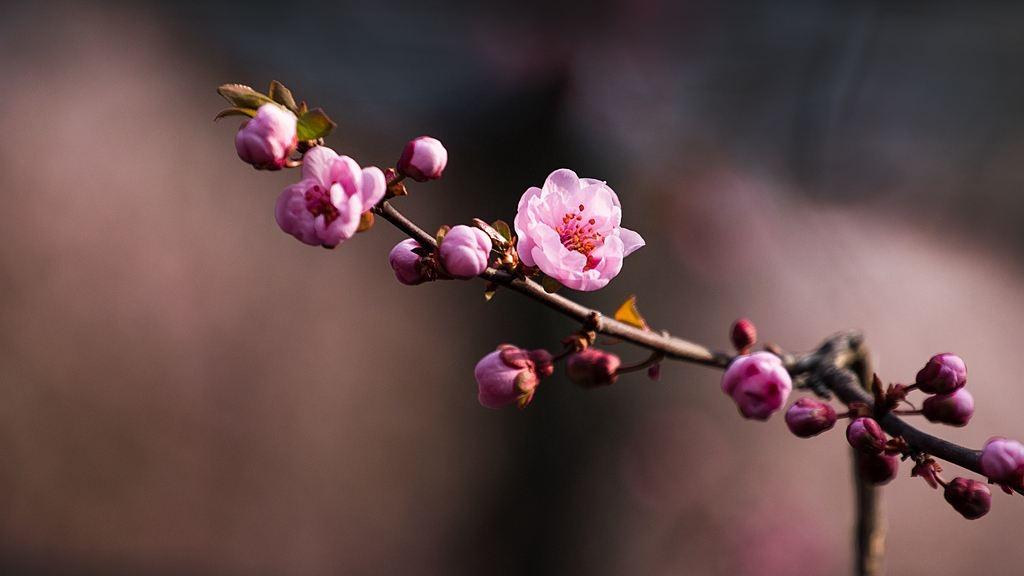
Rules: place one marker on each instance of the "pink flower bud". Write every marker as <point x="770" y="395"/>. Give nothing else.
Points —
<point x="972" y="499"/>
<point x="809" y="417"/>
<point x="406" y="263"/>
<point x="1002" y="460"/>
<point x="943" y="374"/>
<point x="743" y="335"/>
<point x="465" y="251"/>
<point x="865" y="435"/>
<point x="877" y="469"/>
<point x="510" y="374"/>
<point x="268" y="139"/>
<point x="423" y="159"/>
<point x="592" y="367"/>
<point x="758" y="383"/>
<point x="954" y="409"/>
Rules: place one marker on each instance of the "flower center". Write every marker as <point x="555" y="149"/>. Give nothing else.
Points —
<point x="318" y="202"/>
<point x="579" y="235"/>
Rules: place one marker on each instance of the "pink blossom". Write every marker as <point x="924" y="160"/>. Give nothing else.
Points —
<point x="510" y="374"/>
<point x="465" y="251"/>
<point x="1002" y="460"/>
<point x="268" y="139"/>
<point x="324" y="208"/>
<point x="423" y="159"/>
<point x="570" y="230"/>
<point x="406" y="263"/>
<point x="592" y="367"/>
<point x="758" y="383"/>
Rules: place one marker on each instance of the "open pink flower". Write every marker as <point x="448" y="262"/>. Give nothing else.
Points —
<point x="570" y="230"/>
<point x="324" y="208"/>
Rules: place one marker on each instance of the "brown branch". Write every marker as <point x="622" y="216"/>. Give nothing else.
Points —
<point x="829" y="365"/>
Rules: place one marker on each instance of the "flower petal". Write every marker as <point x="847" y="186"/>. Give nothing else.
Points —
<point x="317" y="163"/>
<point x="563" y="182"/>
<point x="631" y="241"/>
<point x="373" y="187"/>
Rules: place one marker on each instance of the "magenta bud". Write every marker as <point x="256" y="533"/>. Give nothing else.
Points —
<point x="591" y="368"/>
<point x="809" y="417"/>
<point x="406" y="263"/>
<point x="972" y="499"/>
<point x="743" y="335"/>
<point x="954" y="409"/>
<point x="423" y="159"/>
<point x="268" y="139"/>
<point x="877" y="469"/>
<point x="465" y="251"/>
<point x="510" y="375"/>
<point x="943" y="374"/>
<point x="758" y="383"/>
<point x="1002" y="461"/>
<point x="866" y="435"/>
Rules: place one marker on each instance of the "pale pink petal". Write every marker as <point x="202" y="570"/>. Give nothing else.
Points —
<point x="373" y="187"/>
<point x="344" y="226"/>
<point x="631" y="241"/>
<point x="317" y="163"/>
<point x="346" y="172"/>
<point x="563" y="181"/>
<point x="291" y="213"/>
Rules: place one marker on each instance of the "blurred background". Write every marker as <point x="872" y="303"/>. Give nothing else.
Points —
<point x="184" y="389"/>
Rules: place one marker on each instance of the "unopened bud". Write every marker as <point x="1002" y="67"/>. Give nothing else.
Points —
<point x="943" y="374"/>
<point x="972" y="499"/>
<point x="592" y="367"/>
<point x="809" y="417"/>
<point x="954" y="409"/>
<point x="758" y="383"/>
<point x="406" y="263"/>
<point x="267" y="139"/>
<point x="743" y="335"/>
<point x="423" y="159"/>
<point x="465" y="251"/>
<point x="866" y="435"/>
<point x="510" y="375"/>
<point x="1002" y="461"/>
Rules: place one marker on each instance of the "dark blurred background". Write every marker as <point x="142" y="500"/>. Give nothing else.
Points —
<point x="186" y="390"/>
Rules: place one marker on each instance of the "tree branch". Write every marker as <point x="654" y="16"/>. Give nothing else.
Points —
<point x="829" y="365"/>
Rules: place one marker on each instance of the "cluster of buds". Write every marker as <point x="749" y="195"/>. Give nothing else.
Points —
<point x="758" y="383"/>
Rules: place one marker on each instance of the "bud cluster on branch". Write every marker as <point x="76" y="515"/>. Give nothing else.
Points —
<point x="568" y="233"/>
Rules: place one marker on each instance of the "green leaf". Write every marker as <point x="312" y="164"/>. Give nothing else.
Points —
<point x="502" y="227"/>
<point x="235" y="112"/>
<point x="242" y="96"/>
<point x="283" y="96"/>
<point x="314" y="124"/>
<point x="441" y="233"/>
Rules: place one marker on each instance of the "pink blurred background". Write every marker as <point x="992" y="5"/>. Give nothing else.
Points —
<point x="186" y="390"/>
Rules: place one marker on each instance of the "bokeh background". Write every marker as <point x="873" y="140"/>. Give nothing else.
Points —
<point x="186" y="390"/>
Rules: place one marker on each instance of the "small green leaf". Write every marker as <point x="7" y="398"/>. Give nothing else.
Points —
<point x="502" y="227"/>
<point x="314" y="124"/>
<point x="242" y="96"/>
<point x="283" y="96"/>
<point x="235" y="112"/>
